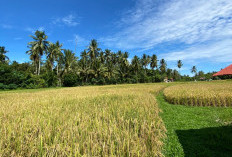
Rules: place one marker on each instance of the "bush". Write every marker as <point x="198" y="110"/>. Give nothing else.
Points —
<point x="8" y="75"/>
<point x="70" y="80"/>
<point x="127" y="80"/>
<point x="93" y="81"/>
<point x="158" y="78"/>
<point x="12" y="86"/>
<point x="101" y="81"/>
<point x="2" y="86"/>
<point x="134" y="79"/>
<point x="51" y="79"/>
<point x="112" y="80"/>
<point x="34" y="82"/>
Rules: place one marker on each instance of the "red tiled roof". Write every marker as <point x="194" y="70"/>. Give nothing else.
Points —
<point x="226" y="71"/>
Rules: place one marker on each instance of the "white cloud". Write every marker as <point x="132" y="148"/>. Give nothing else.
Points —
<point x="18" y="38"/>
<point x="33" y="29"/>
<point x="190" y="22"/>
<point x="219" y="51"/>
<point x="79" y="41"/>
<point x="41" y="28"/>
<point x="69" y="20"/>
<point x="6" y="26"/>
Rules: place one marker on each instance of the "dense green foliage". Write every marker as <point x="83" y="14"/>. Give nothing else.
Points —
<point x="51" y="65"/>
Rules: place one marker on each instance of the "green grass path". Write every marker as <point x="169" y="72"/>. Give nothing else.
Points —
<point x="196" y="131"/>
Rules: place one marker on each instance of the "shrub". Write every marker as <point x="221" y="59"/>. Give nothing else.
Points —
<point x="2" y="86"/>
<point x="70" y="80"/>
<point x="134" y="79"/>
<point x="93" y="81"/>
<point x="34" y="82"/>
<point x="12" y="86"/>
<point x="101" y="81"/>
<point x="112" y="81"/>
<point x="8" y="75"/>
<point x="158" y="78"/>
<point x="51" y="79"/>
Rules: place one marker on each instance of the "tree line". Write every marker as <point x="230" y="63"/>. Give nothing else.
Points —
<point x="61" y="67"/>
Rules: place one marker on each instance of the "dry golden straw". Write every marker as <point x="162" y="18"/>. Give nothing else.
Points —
<point x="199" y="94"/>
<point x="118" y="120"/>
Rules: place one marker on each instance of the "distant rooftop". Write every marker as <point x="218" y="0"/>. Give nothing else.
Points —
<point x="226" y="71"/>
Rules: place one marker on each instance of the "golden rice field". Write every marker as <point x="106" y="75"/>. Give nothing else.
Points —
<point x="200" y="94"/>
<point x="118" y="120"/>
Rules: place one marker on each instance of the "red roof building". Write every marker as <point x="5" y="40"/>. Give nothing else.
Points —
<point x="226" y="71"/>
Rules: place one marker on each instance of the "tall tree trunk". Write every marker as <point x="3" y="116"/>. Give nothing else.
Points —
<point x="57" y="68"/>
<point x="153" y="71"/>
<point x="52" y="67"/>
<point x="146" y="70"/>
<point x="39" y="67"/>
<point x="86" y="78"/>
<point x="36" y="68"/>
<point x="59" y="82"/>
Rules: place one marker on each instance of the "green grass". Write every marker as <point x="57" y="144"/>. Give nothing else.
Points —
<point x="196" y="131"/>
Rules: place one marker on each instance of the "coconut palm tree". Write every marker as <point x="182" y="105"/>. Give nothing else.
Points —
<point x="102" y="57"/>
<point x="34" y="56"/>
<point x="135" y="64"/>
<point x="51" y="53"/>
<point x="114" y="59"/>
<point x="68" y="59"/>
<point x="143" y="60"/>
<point x="146" y="59"/>
<point x="93" y="51"/>
<point x="153" y="64"/>
<point x="109" y="62"/>
<point x="169" y="72"/>
<point x="100" y="69"/>
<point x="123" y="64"/>
<point x="194" y="71"/>
<point x="179" y="64"/>
<point x="84" y="59"/>
<point x="154" y="61"/>
<point x="39" y="46"/>
<point x="58" y="55"/>
<point x="108" y="56"/>
<point x="163" y="65"/>
<point x="175" y="74"/>
<point x="85" y="69"/>
<point x="3" y="57"/>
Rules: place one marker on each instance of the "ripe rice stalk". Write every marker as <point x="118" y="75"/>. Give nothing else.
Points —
<point x="120" y="120"/>
<point x="217" y="94"/>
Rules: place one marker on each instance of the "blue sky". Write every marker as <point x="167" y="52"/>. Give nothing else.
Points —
<point x="199" y="32"/>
